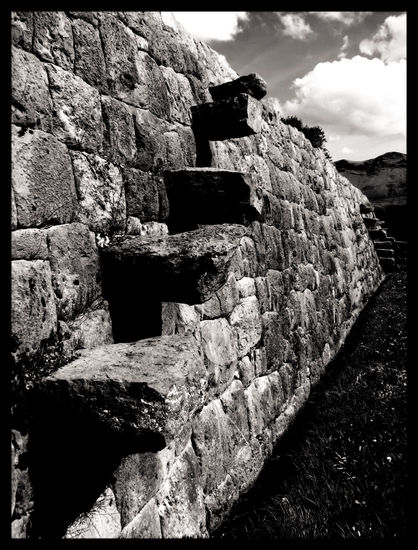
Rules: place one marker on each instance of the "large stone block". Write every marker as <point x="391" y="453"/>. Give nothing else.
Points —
<point x="180" y="95"/>
<point x="246" y="322"/>
<point x="133" y="76"/>
<point x="142" y="194"/>
<point x="42" y="179"/>
<point x="33" y="315"/>
<point x="230" y="118"/>
<point x="53" y="38"/>
<point x="101" y="195"/>
<point x="179" y="319"/>
<point x="208" y="196"/>
<point x="31" y="102"/>
<point x="213" y="439"/>
<point x="89" y="63"/>
<point x="119" y="138"/>
<point x="251" y="84"/>
<point x="220" y="350"/>
<point x="186" y="268"/>
<point x="22" y="29"/>
<point x="77" y="111"/>
<point x="29" y="244"/>
<point x="75" y="268"/>
<point x="141" y="393"/>
<point x="180" y="500"/>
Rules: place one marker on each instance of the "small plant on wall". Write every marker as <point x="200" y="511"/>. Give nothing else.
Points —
<point x="315" y="134"/>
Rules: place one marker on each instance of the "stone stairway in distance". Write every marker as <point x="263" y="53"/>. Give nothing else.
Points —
<point x="384" y="244"/>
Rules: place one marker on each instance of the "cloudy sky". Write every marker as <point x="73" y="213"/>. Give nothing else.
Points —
<point x="344" y="71"/>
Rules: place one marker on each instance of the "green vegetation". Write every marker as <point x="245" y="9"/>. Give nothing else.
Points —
<point x="340" y="472"/>
<point x="315" y="134"/>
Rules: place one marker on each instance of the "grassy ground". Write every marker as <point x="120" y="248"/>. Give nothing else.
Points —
<point x="340" y="472"/>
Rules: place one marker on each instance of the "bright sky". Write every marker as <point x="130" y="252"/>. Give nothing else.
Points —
<point x="344" y="71"/>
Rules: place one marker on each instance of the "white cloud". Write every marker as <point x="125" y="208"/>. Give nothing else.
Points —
<point x="390" y="40"/>
<point x="343" y="17"/>
<point x="358" y="96"/>
<point x="295" y="26"/>
<point x="207" y="25"/>
<point x="347" y="150"/>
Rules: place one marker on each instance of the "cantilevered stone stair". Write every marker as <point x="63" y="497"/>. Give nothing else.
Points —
<point x="144" y="388"/>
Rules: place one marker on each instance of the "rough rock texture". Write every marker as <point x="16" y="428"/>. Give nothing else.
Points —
<point x="144" y="391"/>
<point x="187" y="267"/>
<point x="234" y="117"/>
<point x="221" y="331"/>
<point x="251" y="84"/>
<point x="42" y="179"/>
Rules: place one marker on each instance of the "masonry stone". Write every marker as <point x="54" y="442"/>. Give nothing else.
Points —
<point x="53" y="38"/>
<point x="42" y="179"/>
<point x="89" y="62"/>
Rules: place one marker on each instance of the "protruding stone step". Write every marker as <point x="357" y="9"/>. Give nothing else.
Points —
<point x="138" y="274"/>
<point x="199" y="196"/>
<point x="234" y="117"/>
<point x="372" y="223"/>
<point x="366" y="208"/>
<point x="378" y="234"/>
<point x="383" y="244"/>
<point x="141" y="393"/>
<point x="385" y="252"/>
<point x="251" y="84"/>
<point x="388" y="264"/>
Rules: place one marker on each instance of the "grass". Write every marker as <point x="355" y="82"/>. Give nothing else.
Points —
<point x="340" y="471"/>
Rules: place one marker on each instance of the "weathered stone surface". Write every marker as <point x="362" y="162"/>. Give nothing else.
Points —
<point x="142" y="194"/>
<point x="137" y="480"/>
<point x="181" y="96"/>
<point x="119" y="137"/>
<point x="102" y="522"/>
<point x="190" y="266"/>
<point x="180" y="500"/>
<point x="31" y="102"/>
<point x="219" y="347"/>
<point x="89" y="63"/>
<point x="19" y="527"/>
<point x="251" y="84"/>
<point x="42" y="179"/>
<point x="29" y="244"/>
<point x="100" y="189"/>
<point x="146" y="525"/>
<point x="22" y="29"/>
<point x="230" y="118"/>
<point x="34" y="315"/>
<point x="275" y="331"/>
<point x="246" y="287"/>
<point x="133" y="75"/>
<point x="53" y="38"/>
<point x="77" y="111"/>
<point x="179" y="319"/>
<point x="209" y="196"/>
<point x="222" y="302"/>
<point x="246" y="320"/>
<point x="212" y="439"/>
<point x="143" y="392"/>
<point x="92" y="328"/>
<point x="75" y="268"/>
<point x="147" y="229"/>
<point x="89" y="16"/>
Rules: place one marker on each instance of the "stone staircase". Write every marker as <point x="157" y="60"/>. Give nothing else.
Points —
<point x="141" y="391"/>
<point x="391" y="253"/>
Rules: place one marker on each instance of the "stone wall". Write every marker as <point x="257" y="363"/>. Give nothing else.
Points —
<point x="101" y="109"/>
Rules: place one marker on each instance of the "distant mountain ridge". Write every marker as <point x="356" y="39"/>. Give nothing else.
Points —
<point x="383" y="181"/>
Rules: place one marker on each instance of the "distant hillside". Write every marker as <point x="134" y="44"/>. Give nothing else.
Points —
<point x="383" y="181"/>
